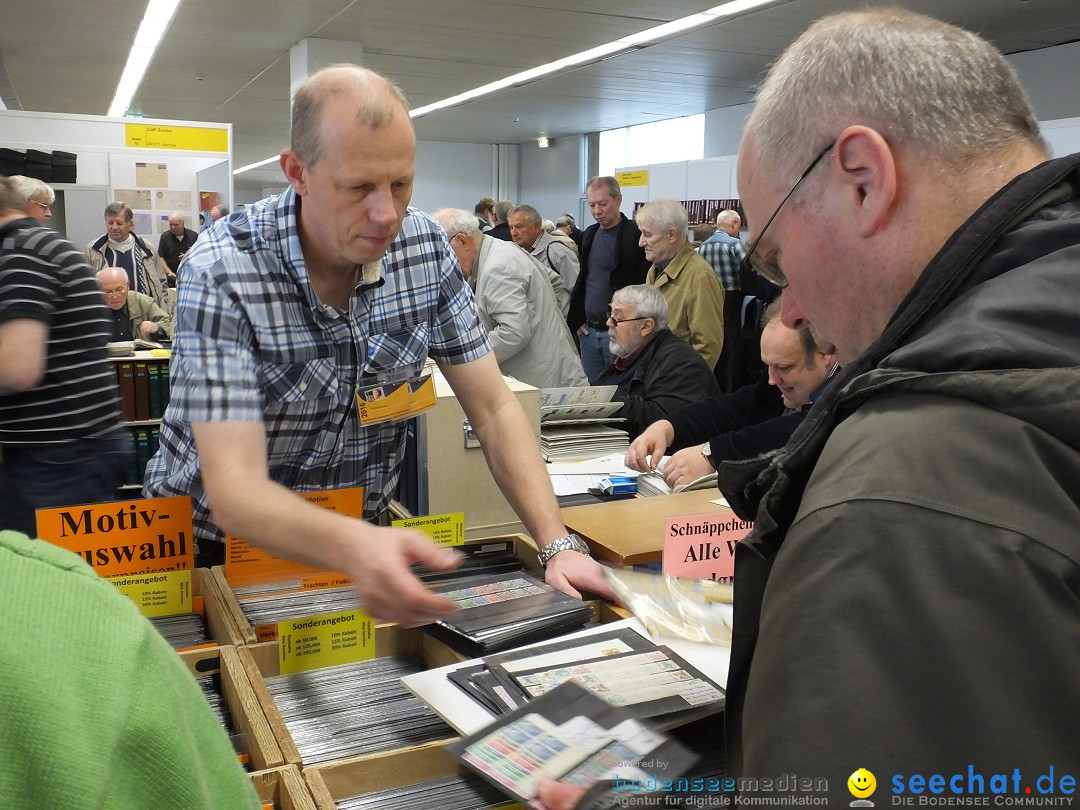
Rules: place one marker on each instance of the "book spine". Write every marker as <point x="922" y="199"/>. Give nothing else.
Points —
<point x="142" y="392"/>
<point x="153" y="386"/>
<point x="163" y="384"/>
<point x="142" y="452"/>
<point x="125" y="376"/>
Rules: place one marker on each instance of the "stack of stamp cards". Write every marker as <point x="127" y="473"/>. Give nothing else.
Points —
<point x="571" y="735"/>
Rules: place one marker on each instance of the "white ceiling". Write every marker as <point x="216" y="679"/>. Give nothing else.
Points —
<point x="228" y="60"/>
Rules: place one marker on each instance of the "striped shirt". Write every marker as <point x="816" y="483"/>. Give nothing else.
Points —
<point x="43" y="277"/>
<point x="253" y="343"/>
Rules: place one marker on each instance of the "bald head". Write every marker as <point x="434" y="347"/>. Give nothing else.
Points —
<point x="372" y="97"/>
<point x="114" y="284"/>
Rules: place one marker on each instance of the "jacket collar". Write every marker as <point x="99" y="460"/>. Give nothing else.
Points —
<point x="672" y="269"/>
<point x="771" y="486"/>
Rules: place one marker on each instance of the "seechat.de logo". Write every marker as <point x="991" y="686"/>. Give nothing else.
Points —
<point x="862" y="785"/>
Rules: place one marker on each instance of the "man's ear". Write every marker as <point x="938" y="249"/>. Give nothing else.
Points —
<point x="867" y="167"/>
<point x="294" y="170"/>
<point x="648" y="326"/>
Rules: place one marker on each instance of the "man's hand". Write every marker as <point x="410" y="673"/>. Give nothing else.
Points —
<point x="583" y="329"/>
<point x="148" y="328"/>
<point x="687" y="465"/>
<point x="573" y="572"/>
<point x="559" y="795"/>
<point x="648" y="448"/>
<point x="379" y="565"/>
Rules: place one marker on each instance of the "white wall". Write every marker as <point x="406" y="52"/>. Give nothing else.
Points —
<point x="1049" y="76"/>
<point x="550" y="179"/>
<point x="723" y="128"/>
<point x="452" y="174"/>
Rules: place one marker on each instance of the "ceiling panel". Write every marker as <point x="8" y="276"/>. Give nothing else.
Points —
<point x="229" y="61"/>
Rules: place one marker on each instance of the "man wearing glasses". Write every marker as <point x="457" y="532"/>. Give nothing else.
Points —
<point x="910" y="595"/>
<point x="656" y="371"/>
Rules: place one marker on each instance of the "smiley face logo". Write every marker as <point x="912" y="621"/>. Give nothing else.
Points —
<point x="861" y="783"/>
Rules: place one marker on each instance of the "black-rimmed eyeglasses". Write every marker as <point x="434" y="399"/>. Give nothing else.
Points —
<point x="770" y="271"/>
<point x="616" y="321"/>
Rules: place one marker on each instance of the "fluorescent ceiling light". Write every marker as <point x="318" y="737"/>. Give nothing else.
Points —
<point x="251" y="166"/>
<point x="621" y="46"/>
<point x="618" y="47"/>
<point x="156" y="21"/>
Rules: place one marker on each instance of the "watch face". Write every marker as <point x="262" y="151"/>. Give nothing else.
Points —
<point x="706" y="450"/>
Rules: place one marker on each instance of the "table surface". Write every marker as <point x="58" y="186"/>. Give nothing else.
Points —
<point x="630" y="532"/>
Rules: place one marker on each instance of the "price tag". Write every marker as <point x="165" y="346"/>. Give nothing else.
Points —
<point x="446" y="530"/>
<point x="165" y="593"/>
<point x="325" y="641"/>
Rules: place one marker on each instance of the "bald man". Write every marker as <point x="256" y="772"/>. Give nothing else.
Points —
<point x="174" y="245"/>
<point x="332" y="290"/>
<point x="134" y="315"/>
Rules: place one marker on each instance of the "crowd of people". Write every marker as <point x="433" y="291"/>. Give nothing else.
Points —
<point x="909" y="595"/>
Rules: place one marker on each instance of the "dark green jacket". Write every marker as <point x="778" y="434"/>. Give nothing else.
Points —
<point x="909" y="599"/>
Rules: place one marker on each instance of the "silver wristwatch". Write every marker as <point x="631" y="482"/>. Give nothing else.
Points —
<point x="569" y="543"/>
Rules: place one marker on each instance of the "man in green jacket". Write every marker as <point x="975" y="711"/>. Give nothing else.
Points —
<point x="134" y="315"/>
<point x="97" y="710"/>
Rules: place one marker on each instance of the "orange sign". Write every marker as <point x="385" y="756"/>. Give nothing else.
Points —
<point x="703" y="546"/>
<point x="124" y="537"/>
<point x="247" y="564"/>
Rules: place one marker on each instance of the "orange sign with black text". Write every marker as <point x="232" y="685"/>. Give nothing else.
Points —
<point x="121" y="538"/>
<point x="247" y="564"/>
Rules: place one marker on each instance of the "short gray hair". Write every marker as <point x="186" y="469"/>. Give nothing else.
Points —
<point x="502" y="209"/>
<point x="647" y="301"/>
<point x="29" y="187"/>
<point x="375" y="96"/>
<point x="606" y="182"/>
<point x="119" y="209"/>
<point x="925" y="85"/>
<point x="663" y="215"/>
<point x="563" y="221"/>
<point x="532" y="216"/>
<point x="728" y="216"/>
<point x="457" y="220"/>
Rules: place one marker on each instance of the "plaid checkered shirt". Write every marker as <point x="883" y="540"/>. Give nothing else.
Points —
<point x="254" y="344"/>
<point x="725" y="253"/>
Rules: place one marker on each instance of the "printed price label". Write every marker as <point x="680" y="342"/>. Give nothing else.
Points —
<point x="166" y="593"/>
<point x="325" y="641"/>
<point x="446" y="530"/>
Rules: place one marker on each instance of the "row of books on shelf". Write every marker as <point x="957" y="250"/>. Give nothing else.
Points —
<point x="698" y="211"/>
<point x="144" y="443"/>
<point x="144" y="388"/>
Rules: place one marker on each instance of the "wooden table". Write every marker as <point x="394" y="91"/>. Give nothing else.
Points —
<point x="631" y="531"/>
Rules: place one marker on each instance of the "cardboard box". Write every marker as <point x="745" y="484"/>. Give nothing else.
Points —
<point x="454" y="477"/>
<point x="236" y="630"/>
<point x="332" y="781"/>
<point x="260" y="661"/>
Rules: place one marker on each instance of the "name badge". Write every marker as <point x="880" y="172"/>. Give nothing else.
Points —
<point x="393" y="402"/>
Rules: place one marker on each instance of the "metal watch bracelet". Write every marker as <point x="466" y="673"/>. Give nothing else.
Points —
<point x="570" y="542"/>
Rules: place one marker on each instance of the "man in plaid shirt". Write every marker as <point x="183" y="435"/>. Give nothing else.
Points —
<point x="724" y="251"/>
<point x="292" y="306"/>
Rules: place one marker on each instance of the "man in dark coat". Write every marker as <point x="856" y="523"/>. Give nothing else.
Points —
<point x="656" y="371"/>
<point x="746" y="423"/>
<point x="611" y="258"/>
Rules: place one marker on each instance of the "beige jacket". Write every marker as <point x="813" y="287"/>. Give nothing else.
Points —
<point x="695" y="301"/>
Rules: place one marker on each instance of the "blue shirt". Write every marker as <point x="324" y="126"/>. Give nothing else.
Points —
<point x="254" y="344"/>
<point x="602" y="261"/>
<point x="725" y="253"/>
